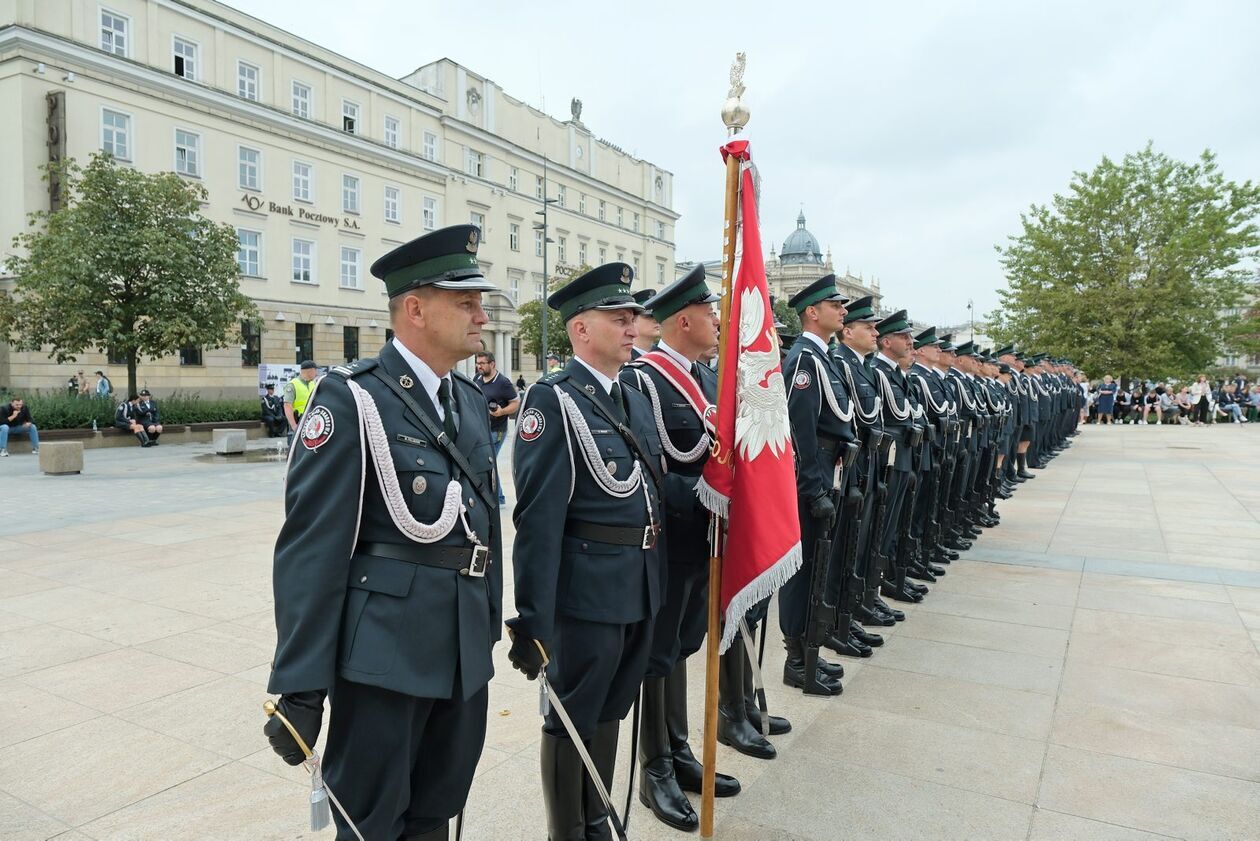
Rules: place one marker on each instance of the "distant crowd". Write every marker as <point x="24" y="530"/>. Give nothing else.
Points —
<point x="1196" y="404"/>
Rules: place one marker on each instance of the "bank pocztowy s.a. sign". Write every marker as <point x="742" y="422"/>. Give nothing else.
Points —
<point x="260" y="205"/>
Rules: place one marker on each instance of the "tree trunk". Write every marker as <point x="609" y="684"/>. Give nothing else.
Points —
<point x="131" y="372"/>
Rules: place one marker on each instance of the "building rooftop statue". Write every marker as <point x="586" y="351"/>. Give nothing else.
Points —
<point x="800" y="247"/>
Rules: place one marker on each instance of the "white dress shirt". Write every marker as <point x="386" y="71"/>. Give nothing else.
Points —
<point x="428" y="380"/>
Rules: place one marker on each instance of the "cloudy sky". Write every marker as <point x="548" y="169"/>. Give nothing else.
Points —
<point x="912" y="134"/>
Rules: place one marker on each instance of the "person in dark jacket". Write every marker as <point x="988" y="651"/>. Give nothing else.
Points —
<point x="127" y="417"/>
<point x="149" y="415"/>
<point x="272" y="409"/>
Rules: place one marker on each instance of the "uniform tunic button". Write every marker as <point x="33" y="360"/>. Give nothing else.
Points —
<point x="586" y="546"/>
<point x="420" y="462"/>
<point x="363" y="580"/>
<point x="471" y="503"/>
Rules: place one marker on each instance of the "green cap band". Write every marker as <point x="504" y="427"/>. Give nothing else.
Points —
<point x="405" y="278"/>
<point x="599" y="296"/>
<point x="681" y="300"/>
<point x="820" y="295"/>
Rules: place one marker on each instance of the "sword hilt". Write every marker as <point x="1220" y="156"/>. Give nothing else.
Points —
<point x="269" y="707"/>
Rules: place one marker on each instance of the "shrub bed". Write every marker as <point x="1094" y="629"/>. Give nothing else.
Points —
<point x="61" y="411"/>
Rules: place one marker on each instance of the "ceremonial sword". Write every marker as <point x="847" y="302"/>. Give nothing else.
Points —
<point x="320" y="792"/>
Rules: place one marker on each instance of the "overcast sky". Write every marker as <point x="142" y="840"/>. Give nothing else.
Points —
<point x="911" y="134"/>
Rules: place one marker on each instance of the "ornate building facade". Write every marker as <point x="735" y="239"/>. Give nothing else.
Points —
<point x="800" y="262"/>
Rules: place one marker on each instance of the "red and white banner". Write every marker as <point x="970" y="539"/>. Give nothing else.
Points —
<point x="750" y="479"/>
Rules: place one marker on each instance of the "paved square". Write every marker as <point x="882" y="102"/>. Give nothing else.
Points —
<point x="1090" y="670"/>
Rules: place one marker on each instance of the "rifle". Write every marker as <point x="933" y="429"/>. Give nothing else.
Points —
<point x="901" y="560"/>
<point x="819" y="615"/>
<point x="850" y="582"/>
<point x="876" y="561"/>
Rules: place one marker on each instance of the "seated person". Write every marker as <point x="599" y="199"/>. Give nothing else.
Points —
<point x="1152" y="405"/>
<point x="126" y="417"/>
<point x="1228" y="404"/>
<point x="273" y="413"/>
<point x="149" y="416"/>
<point x="15" y="418"/>
<point x="1169" y="411"/>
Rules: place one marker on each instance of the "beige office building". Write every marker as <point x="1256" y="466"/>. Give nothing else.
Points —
<point x="320" y="164"/>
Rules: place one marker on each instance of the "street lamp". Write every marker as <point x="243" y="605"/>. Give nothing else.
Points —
<point x="543" y="227"/>
<point x="971" y="315"/>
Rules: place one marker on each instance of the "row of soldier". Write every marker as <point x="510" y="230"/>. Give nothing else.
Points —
<point x="388" y="569"/>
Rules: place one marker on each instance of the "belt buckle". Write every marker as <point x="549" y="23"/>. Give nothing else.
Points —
<point x="649" y="536"/>
<point x="480" y="559"/>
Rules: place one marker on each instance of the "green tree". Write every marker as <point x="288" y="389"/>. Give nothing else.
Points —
<point x="127" y="264"/>
<point x="784" y="314"/>
<point x="1131" y="271"/>
<point x="530" y="329"/>
<point x="1243" y="335"/>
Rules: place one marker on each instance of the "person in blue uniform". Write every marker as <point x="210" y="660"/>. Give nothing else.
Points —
<point x="933" y="395"/>
<point x="648" y="327"/>
<point x="388" y="568"/>
<point x="587" y="566"/>
<point x="680" y="389"/>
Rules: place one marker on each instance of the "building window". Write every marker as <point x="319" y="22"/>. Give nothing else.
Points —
<point x="621" y="256"/>
<point x="538" y="187"/>
<point x="660" y="273"/>
<point x="636" y="266"/>
<point x="581" y="202"/>
<point x="116" y="134"/>
<point x="114" y="32"/>
<point x="303" y="261"/>
<point x="619" y="217"/>
<point x="190" y="355"/>
<point x="516" y="354"/>
<point x="249" y="168"/>
<point x="391" y="132"/>
<point x="350" y="258"/>
<point x="185" y="56"/>
<point x="350" y="194"/>
<point x="187" y="153"/>
<point x="513" y="177"/>
<point x="514" y="236"/>
<point x="301" y="100"/>
<point x="302" y="177"/>
<point x="430" y="213"/>
<point x="561" y="194"/>
<point x="350" y="343"/>
<point x="660" y="229"/>
<point x="246" y="80"/>
<point x="251" y="344"/>
<point x="474" y="163"/>
<point x="349" y="117"/>
<point x="249" y="252"/>
<point x="581" y="254"/>
<point x="429" y="150"/>
<point x="561" y="246"/>
<point x="115" y="356"/>
<point x="603" y="255"/>
<point x="538" y="243"/>
<point x="514" y="288"/>
<point x="602" y="210"/>
<point x="479" y="219"/>
<point x="304" y="341"/>
<point x="636" y="223"/>
<point x="392" y="213"/>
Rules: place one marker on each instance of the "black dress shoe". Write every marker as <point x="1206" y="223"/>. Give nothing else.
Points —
<point x="864" y="636"/>
<point x="875" y="618"/>
<point x="778" y="726"/>
<point x="935" y="570"/>
<point x="794" y="675"/>
<point x="920" y="574"/>
<point x="900" y="594"/>
<point x="956" y="544"/>
<point x="690" y="775"/>
<point x="1024" y="476"/>
<point x="897" y="615"/>
<point x="848" y="646"/>
<point x="1001" y="493"/>
<point x="916" y="588"/>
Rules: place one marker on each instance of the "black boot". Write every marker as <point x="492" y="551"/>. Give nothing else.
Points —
<point x="603" y="749"/>
<point x="143" y="438"/>
<point x="873" y="617"/>
<point x="864" y="636"/>
<point x="733" y="727"/>
<point x="1022" y="474"/>
<point x="897" y="615"/>
<point x="687" y="769"/>
<point x="441" y="833"/>
<point x="945" y="555"/>
<point x="900" y="594"/>
<point x="562" y="776"/>
<point x="658" y="789"/>
<point x="846" y="645"/>
<point x="777" y="724"/>
<point x="920" y="573"/>
<point x="794" y="669"/>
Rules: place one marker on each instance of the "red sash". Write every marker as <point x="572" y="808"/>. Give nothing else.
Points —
<point x="680" y="378"/>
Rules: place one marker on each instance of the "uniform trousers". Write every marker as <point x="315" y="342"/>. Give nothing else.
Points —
<point x="794" y="594"/>
<point x="683" y="619"/>
<point x="401" y="765"/>
<point x="596" y="669"/>
<point x="898" y="485"/>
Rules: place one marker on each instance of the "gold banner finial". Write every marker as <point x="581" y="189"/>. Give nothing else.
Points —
<point x="735" y="113"/>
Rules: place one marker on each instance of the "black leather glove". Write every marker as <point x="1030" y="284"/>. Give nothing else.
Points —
<point x="304" y="710"/>
<point x="526" y="656"/>
<point x="822" y="508"/>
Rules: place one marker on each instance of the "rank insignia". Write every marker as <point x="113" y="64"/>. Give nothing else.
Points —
<point x="531" y="425"/>
<point x="612" y="468"/>
<point x="419" y="485"/>
<point x="317" y="428"/>
<point x="406" y="381"/>
<point x="589" y="389"/>
<point x="472" y="241"/>
<point x="801" y="380"/>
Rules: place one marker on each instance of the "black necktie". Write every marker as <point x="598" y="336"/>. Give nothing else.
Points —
<point x="695" y="371"/>
<point x="448" y="409"/>
<point x="619" y="402"/>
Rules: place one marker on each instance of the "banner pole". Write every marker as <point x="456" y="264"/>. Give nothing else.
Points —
<point x="735" y="115"/>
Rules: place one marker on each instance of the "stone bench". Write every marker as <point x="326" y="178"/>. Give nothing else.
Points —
<point x="229" y="441"/>
<point x="61" y="458"/>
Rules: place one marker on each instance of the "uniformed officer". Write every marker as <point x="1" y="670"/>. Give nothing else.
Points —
<point x="388" y="569"/>
<point x="272" y="412"/>
<point x="588" y="571"/>
<point x="901" y="417"/>
<point x="649" y="328"/>
<point x="149" y="415"/>
<point x="681" y="392"/>
<point x="127" y="418"/>
<point x="297" y="393"/>
<point x="933" y="396"/>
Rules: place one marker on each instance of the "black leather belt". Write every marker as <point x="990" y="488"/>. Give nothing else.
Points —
<point x="466" y="560"/>
<point x="643" y="537"/>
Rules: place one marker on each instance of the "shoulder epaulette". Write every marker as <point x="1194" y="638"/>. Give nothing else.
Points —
<point x="461" y="375"/>
<point x="554" y="377"/>
<point x="354" y="369"/>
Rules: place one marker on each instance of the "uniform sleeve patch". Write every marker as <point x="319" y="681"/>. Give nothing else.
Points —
<point x="317" y="428"/>
<point x="802" y="380"/>
<point x="531" y="425"/>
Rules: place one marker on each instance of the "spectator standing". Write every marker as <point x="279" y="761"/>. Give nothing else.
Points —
<point x="149" y="416"/>
<point x="502" y="400"/>
<point x="1201" y="397"/>
<point x="127" y="417"/>
<point x="1107" y="399"/>
<point x="16" y="419"/>
<point x="273" y="412"/>
<point x="104" y="388"/>
<point x="553" y="363"/>
<point x="297" y="392"/>
<point x="520" y="383"/>
<point x="72" y="385"/>
<point x="85" y="387"/>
